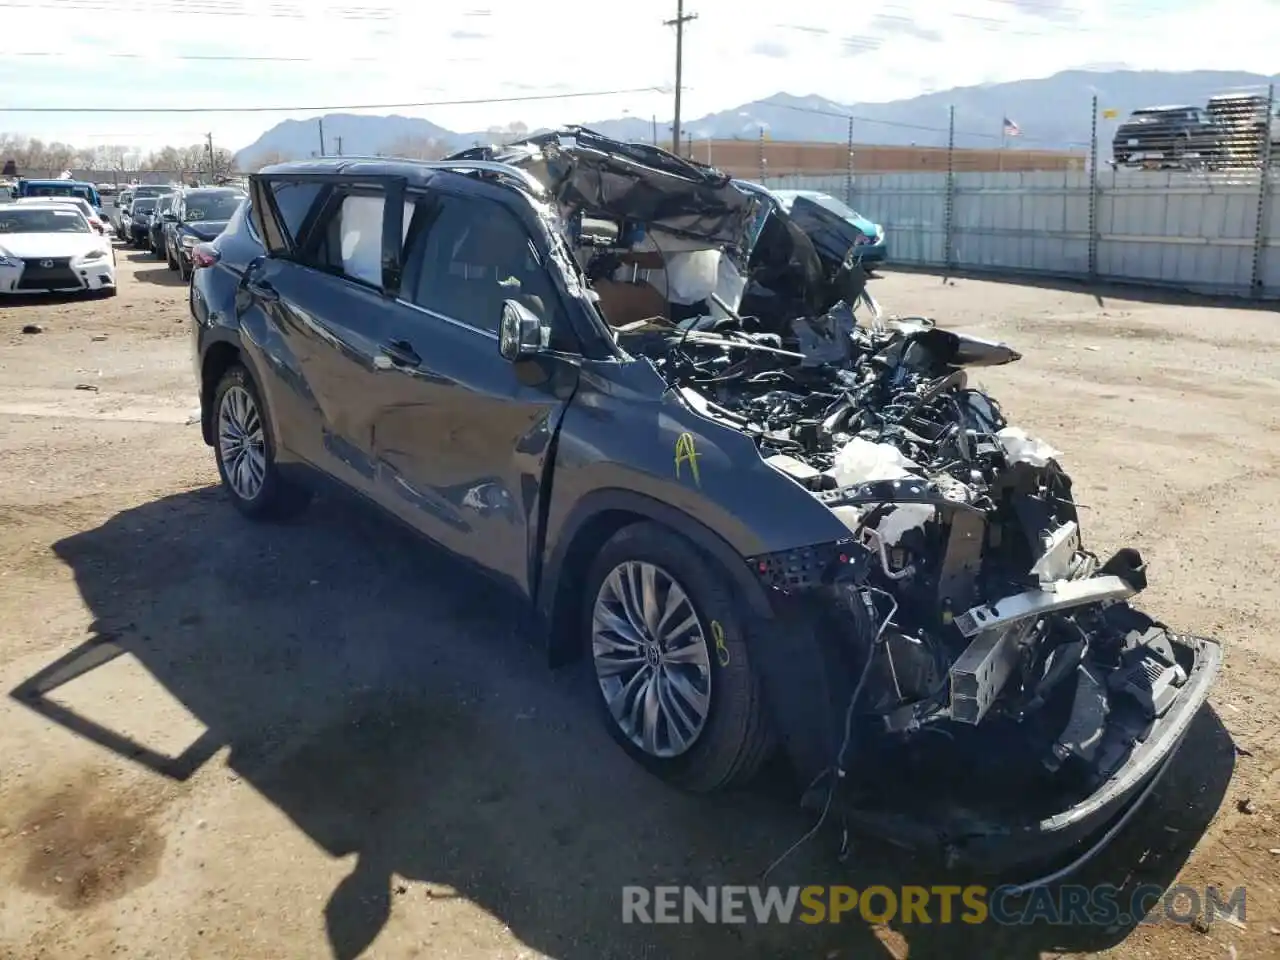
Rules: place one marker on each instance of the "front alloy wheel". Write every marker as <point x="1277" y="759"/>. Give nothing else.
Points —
<point x="662" y="627"/>
<point x="241" y="444"/>
<point x="651" y="659"/>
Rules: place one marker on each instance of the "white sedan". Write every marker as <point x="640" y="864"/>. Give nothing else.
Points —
<point x="81" y="204"/>
<point x="51" y="248"/>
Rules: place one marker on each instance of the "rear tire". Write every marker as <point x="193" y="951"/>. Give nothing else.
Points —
<point x="245" y="452"/>
<point x="676" y="688"/>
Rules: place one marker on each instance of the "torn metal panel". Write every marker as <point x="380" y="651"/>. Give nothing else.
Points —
<point x="595" y="176"/>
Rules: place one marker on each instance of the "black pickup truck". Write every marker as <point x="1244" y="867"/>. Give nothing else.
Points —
<point x="1174" y="136"/>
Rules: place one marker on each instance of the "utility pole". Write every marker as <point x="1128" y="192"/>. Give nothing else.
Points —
<point x="681" y="19"/>
<point x="320" y="121"/>
<point x="213" y="172"/>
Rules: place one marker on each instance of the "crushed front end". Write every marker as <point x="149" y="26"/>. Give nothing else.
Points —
<point x="987" y="691"/>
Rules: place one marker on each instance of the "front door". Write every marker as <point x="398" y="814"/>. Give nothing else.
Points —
<point x="464" y="440"/>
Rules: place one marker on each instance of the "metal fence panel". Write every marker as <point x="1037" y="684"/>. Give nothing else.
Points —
<point x="1269" y="273"/>
<point x="1193" y="230"/>
<point x="915" y="205"/>
<point x="1184" y="229"/>
<point x="1022" y="221"/>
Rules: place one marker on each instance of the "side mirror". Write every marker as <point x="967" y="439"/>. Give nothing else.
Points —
<point x="520" y="333"/>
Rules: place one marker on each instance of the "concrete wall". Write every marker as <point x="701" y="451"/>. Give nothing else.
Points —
<point x="1189" y="230"/>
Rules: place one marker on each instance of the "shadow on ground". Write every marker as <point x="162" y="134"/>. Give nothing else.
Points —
<point x="1101" y="291"/>
<point x="47" y="299"/>
<point x="386" y="703"/>
<point x="153" y="269"/>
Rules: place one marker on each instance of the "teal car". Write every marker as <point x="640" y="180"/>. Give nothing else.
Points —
<point x="820" y="214"/>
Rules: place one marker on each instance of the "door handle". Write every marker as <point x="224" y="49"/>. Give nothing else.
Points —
<point x="401" y="353"/>
<point x="263" y="290"/>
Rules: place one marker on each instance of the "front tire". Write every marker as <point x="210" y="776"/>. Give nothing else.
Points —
<point x="244" y="450"/>
<point x="670" y="661"/>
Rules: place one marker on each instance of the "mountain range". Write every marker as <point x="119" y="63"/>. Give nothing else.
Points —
<point x="1051" y="113"/>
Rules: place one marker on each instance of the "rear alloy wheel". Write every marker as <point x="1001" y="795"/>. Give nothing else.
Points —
<point x="670" y="661"/>
<point x="245" y="451"/>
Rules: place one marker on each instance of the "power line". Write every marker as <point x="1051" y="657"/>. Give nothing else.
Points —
<point x="476" y="101"/>
<point x="234" y="58"/>
<point x="204" y="9"/>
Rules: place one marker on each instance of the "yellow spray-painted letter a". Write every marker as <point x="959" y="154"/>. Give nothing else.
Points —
<point x="686" y="453"/>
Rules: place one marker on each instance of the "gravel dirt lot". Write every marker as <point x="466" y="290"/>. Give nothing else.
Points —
<point x="320" y="739"/>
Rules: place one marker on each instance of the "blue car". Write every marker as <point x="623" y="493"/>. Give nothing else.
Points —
<point x="60" y="188"/>
<point x="820" y="214"/>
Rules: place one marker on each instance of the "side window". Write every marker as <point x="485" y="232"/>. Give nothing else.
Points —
<point x="352" y="242"/>
<point x="294" y="200"/>
<point x="476" y="255"/>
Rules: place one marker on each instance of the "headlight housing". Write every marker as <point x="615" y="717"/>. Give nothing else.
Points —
<point x="7" y="261"/>
<point x="98" y="254"/>
<point x="189" y="241"/>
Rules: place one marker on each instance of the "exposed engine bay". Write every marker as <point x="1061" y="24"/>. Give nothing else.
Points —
<point x="974" y="629"/>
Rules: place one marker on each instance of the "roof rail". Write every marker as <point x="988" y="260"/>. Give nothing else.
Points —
<point x="523" y="177"/>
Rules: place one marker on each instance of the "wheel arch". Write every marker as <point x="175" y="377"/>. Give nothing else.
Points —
<point x="593" y="520"/>
<point x="219" y="357"/>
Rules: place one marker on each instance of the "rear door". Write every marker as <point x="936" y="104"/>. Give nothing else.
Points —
<point x="321" y="299"/>
<point x="462" y="437"/>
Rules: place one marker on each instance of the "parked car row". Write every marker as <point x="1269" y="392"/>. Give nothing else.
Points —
<point x="55" y="236"/>
<point x="170" y="221"/>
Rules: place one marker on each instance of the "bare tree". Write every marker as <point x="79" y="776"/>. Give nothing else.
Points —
<point x="222" y="162"/>
<point x="34" y="157"/>
<point x="117" y="158"/>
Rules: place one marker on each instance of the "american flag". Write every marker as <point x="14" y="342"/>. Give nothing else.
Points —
<point x="1011" y="129"/>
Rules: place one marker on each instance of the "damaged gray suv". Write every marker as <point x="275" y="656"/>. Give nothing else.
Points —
<point x="674" y="421"/>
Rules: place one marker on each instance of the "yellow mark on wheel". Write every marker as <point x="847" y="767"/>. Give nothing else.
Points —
<point x="722" y="649"/>
<point x="687" y="453"/>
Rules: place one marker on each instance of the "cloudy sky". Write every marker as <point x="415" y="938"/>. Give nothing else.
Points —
<point x="296" y="55"/>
